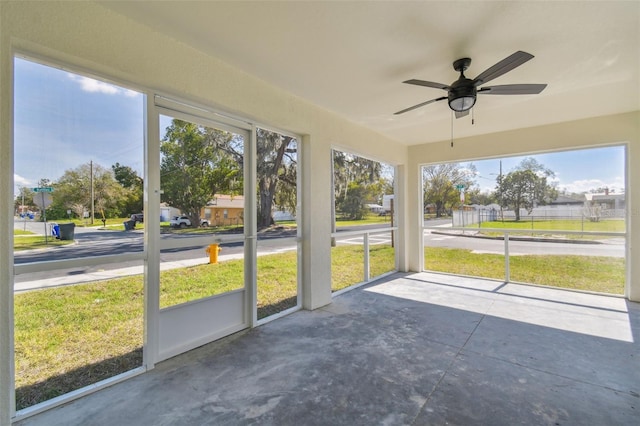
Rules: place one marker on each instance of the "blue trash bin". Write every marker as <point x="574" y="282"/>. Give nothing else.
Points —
<point x="55" y="230"/>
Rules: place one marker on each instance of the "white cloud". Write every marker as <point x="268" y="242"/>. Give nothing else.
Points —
<point x="586" y="185"/>
<point x="95" y="86"/>
<point x="20" y="181"/>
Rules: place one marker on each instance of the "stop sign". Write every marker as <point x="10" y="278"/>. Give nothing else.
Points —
<point x="42" y="200"/>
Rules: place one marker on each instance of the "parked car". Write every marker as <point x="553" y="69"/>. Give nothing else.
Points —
<point x="204" y="222"/>
<point x="180" y="222"/>
<point x="137" y="217"/>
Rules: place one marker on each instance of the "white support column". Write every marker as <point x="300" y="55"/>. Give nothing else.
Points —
<point x="7" y="400"/>
<point x="415" y="219"/>
<point x="250" y="228"/>
<point x="403" y="219"/>
<point x="632" y="194"/>
<point x="151" y="232"/>
<point x="316" y="224"/>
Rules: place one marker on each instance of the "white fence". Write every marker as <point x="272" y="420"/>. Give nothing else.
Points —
<point x="479" y="215"/>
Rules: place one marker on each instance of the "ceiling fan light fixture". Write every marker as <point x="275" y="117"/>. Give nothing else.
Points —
<point x="462" y="95"/>
<point x="462" y="103"/>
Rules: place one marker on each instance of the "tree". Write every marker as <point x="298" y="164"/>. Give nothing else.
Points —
<point x="276" y="173"/>
<point x="357" y="181"/>
<point x="132" y="199"/>
<point x="24" y="200"/>
<point x="126" y="176"/>
<point x="440" y="181"/>
<point x="73" y="192"/>
<point x="526" y="186"/>
<point x="194" y="167"/>
<point x="353" y="203"/>
<point x="348" y="168"/>
<point x="483" y="198"/>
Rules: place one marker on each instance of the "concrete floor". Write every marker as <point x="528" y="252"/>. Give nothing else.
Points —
<point x="421" y="349"/>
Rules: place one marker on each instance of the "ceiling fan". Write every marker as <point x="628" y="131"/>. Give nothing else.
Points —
<point x="462" y="92"/>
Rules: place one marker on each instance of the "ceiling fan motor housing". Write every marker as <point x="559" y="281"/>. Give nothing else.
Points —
<point x="462" y="94"/>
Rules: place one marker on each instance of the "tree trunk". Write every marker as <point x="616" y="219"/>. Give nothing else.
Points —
<point x="267" y="187"/>
<point x="264" y="208"/>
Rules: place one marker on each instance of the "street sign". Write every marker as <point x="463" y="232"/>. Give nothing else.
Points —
<point x="459" y="187"/>
<point x="43" y="189"/>
<point x="43" y="201"/>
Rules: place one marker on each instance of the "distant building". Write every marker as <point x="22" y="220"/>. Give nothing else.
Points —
<point x="386" y="202"/>
<point x="224" y="210"/>
<point x="376" y="208"/>
<point x="567" y="200"/>
<point x="607" y="200"/>
<point x="167" y="212"/>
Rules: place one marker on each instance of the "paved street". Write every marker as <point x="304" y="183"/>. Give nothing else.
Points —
<point x="607" y="247"/>
<point x="97" y="242"/>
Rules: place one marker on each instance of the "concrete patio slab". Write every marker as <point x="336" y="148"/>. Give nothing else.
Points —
<point x="423" y="349"/>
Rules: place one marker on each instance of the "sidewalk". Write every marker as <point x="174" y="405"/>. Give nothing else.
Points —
<point x="544" y="239"/>
<point x="112" y="273"/>
<point x="125" y="272"/>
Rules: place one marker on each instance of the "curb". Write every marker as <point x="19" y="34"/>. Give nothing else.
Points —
<point x="533" y="239"/>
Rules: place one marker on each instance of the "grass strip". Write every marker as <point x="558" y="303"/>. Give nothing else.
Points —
<point x="347" y="264"/>
<point x="37" y="242"/>
<point x="611" y="225"/>
<point x="589" y="273"/>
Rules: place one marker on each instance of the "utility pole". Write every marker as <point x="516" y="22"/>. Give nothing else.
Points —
<point x="24" y="215"/>
<point x="92" y="201"/>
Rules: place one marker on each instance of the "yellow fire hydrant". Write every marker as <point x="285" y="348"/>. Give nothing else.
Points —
<point x="213" y="251"/>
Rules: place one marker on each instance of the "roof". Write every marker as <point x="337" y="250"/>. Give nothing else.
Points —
<point x="224" y="201"/>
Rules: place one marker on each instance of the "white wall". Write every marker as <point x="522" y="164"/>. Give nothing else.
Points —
<point x="598" y="131"/>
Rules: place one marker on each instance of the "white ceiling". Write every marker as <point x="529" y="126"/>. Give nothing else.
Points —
<point x="351" y="57"/>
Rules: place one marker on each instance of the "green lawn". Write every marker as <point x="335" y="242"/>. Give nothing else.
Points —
<point x="590" y="273"/>
<point x="368" y="220"/>
<point x="609" y="225"/>
<point x="347" y="264"/>
<point x="26" y="242"/>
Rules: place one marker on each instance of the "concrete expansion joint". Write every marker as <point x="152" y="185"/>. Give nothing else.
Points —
<point x="450" y="366"/>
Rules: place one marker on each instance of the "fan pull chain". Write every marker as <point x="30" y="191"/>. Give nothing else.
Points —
<point x="452" y="128"/>
<point x="473" y="118"/>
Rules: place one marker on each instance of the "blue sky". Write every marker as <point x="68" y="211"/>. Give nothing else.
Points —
<point x="575" y="171"/>
<point x="63" y="120"/>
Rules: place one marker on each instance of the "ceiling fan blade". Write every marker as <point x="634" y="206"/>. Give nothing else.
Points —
<point x="502" y="67"/>
<point x="513" y="89"/>
<point x="460" y="114"/>
<point x="427" y="84"/>
<point x="420" y="105"/>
